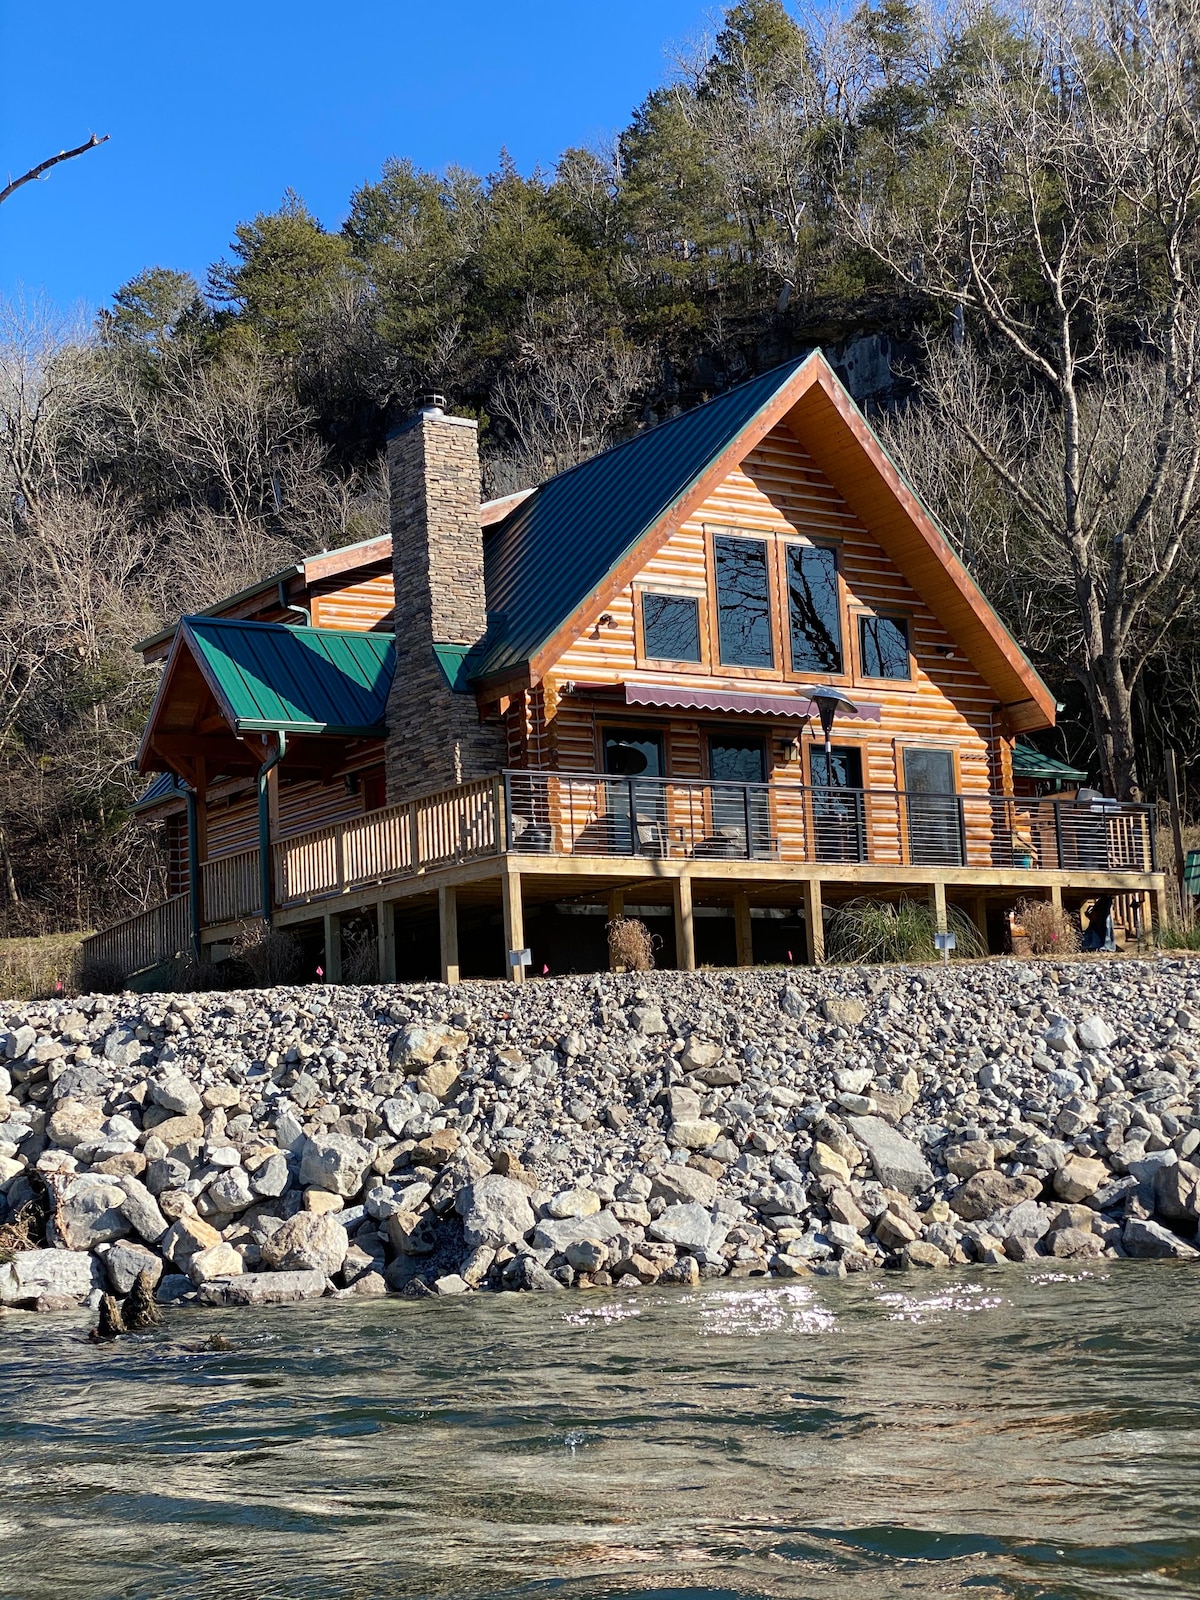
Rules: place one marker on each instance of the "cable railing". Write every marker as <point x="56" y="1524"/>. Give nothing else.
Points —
<point x="593" y="814"/>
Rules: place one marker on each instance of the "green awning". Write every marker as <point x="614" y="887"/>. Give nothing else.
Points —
<point x="1030" y="763"/>
<point x="452" y="658"/>
<point x="269" y="677"/>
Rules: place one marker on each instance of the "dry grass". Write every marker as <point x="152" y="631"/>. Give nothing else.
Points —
<point x="271" y="956"/>
<point x="1050" y="931"/>
<point x="630" y="946"/>
<point x="37" y="969"/>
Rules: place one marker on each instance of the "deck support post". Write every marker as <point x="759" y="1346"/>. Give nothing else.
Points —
<point x="512" y="916"/>
<point x="616" y="905"/>
<point x="979" y="907"/>
<point x="1056" y="897"/>
<point x="448" y="931"/>
<point x="937" y="904"/>
<point x="814" y="923"/>
<point x="385" y="933"/>
<point x="743" y="929"/>
<point x="685" y="924"/>
<point x="333" y="947"/>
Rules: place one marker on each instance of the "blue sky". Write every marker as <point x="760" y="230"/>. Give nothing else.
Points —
<point x="213" y="113"/>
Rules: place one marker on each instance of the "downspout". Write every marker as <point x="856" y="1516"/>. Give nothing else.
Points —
<point x="286" y="605"/>
<point x="193" y="847"/>
<point x="264" y="826"/>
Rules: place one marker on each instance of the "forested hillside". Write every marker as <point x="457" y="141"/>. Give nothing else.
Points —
<point x="1007" y="201"/>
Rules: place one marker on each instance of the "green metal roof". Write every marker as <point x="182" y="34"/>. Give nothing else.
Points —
<point x="268" y="676"/>
<point x="452" y="658"/>
<point x="163" y="787"/>
<point x="555" y="548"/>
<point x="1030" y="763"/>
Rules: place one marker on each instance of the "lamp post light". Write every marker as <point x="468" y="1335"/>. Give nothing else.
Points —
<point x="829" y="702"/>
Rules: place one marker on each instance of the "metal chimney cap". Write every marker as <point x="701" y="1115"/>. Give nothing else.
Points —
<point x="433" y="405"/>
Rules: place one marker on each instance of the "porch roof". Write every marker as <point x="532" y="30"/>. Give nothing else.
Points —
<point x="1030" y="763"/>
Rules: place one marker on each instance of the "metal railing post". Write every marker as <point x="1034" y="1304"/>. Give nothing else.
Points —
<point x="1058" y="833"/>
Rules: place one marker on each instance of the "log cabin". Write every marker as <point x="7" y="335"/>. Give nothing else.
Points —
<point x="725" y="677"/>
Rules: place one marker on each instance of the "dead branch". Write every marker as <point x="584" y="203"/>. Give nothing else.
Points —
<point x="51" y="161"/>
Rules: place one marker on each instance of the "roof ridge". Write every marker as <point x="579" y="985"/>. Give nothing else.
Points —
<point x="658" y="428"/>
<point x="290" y="627"/>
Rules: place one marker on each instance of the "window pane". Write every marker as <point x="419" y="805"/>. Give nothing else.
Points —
<point x="743" y="603"/>
<point x="671" y="627"/>
<point x="884" y="647"/>
<point x="734" y="760"/>
<point x="842" y="771"/>
<point x="814" y="608"/>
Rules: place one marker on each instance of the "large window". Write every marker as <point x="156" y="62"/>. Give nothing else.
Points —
<point x="814" y="608"/>
<point x="743" y="603"/>
<point x="883" y="643"/>
<point x="671" y="627"/>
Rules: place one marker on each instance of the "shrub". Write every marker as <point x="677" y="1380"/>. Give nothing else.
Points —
<point x="1050" y="931"/>
<point x="885" y="930"/>
<point x="630" y="946"/>
<point x="269" y="955"/>
<point x="101" y="975"/>
<point x="360" y="956"/>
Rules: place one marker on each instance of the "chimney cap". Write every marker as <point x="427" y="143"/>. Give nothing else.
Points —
<point x="433" y="404"/>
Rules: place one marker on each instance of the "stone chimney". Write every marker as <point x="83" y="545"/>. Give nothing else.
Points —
<point x="434" y="739"/>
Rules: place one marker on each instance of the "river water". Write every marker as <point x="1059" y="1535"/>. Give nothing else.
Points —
<point x="1005" y="1432"/>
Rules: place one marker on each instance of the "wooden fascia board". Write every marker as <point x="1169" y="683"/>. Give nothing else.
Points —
<point x="933" y="557"/>
<point x="334" y="562"/>
<point x="650" y="542"/>
<point x="161" y="695"/>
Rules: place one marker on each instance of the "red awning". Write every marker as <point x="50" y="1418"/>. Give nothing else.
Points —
<point x="765" y="705"/>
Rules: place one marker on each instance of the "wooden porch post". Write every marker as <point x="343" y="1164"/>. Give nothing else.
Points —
<point x="979" y="907"/>
<point x="616" y="905"/>
<point x="333" y="947"/>
<point x="814" y="923"/>
<point x="743" y="929"/>
<point x="685" y="925"/>
<point x="448" y="931"/>
<point x="937" y="904"/>
<point x="512" y="916"/>
<point x="385" y="926"/>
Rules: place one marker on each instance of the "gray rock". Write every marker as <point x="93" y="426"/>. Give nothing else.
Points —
<point x="271" y="1178"/>
<point x="897" y="1162"/>
<point x="311" y="1241"/>
<point x="263" y="1289"/>
<point x="1093" y="1033"/>
<point x="451" y="1284"/>
<point x="30" y="1274"/>
<point x="1152" y="1240"/>
<point x="173" y="1287"/>
<point x="552" y="1238"/>
<point x="333" y="1162"/>
<point x="176" y="1095"/>
<point x="418" y="1044"/>
<point x="687" y="1225"/>
<point x="843" y="1011"/>
<point x="126" y="1261"/>
<point x="19" y="1042"/>
<point x="141" y="1208"/>
<point x="792" y="1003"/>
<point x="91" y="1212"/>
<point x="495" y="1211"/>
<point x="648" y="1021"/>
<point x="231" y="1192"/>
<point x="677" y="1183"/>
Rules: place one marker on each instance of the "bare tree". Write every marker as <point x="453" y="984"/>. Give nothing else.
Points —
<point x="43" y="167"/>
<point x="1055" y="209"/>
<point x="563" y="397"/>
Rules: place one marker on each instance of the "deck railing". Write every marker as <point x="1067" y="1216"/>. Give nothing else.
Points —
<point x="561" y="814"/>
<point x="139" y="942"/>
<point x="590" y="814"/>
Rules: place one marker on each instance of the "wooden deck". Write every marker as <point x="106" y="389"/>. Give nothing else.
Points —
<point x="522" y="836"/>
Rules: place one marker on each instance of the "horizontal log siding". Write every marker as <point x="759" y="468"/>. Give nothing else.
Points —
<point x="365" y="605"/>
<point x="778" y="490"/>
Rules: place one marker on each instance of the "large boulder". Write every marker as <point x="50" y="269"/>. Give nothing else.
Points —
<point x="184" y="1238"/>
<point x="126" y="1261"/>
<point x="1093" y="1033"/>
<point x="677" y="1183"/>
<point x="174" y="1093"/>
<point x="1079" y="1179"/>
<point x="141" y="1208"/>
<point x="553" y="1237"/>
<point x="263" y="1288"/>
<point x="495" y="1211"/>
<point x="75" y="1122"/>
<point x="1177" y="1193"/>
<point x="843" y="1011"/>
<point x="897" y="1161"/>
<point x="220" y="1260"/>
<point x="335" y="1162"/>
<point x="420" y="1043"/>
<point x="1151" y="1239"/>
<point x="989" y="1192"/>
<point x="33" y="1274"/>
<point x="232" y="1191"/>
<point x="311" y="1241"/>
<point x="91" y="1212"/>
<point x="688" y="1227"/>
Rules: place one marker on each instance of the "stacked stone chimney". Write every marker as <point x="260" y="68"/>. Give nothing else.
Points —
<point x="434" y="737"/>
